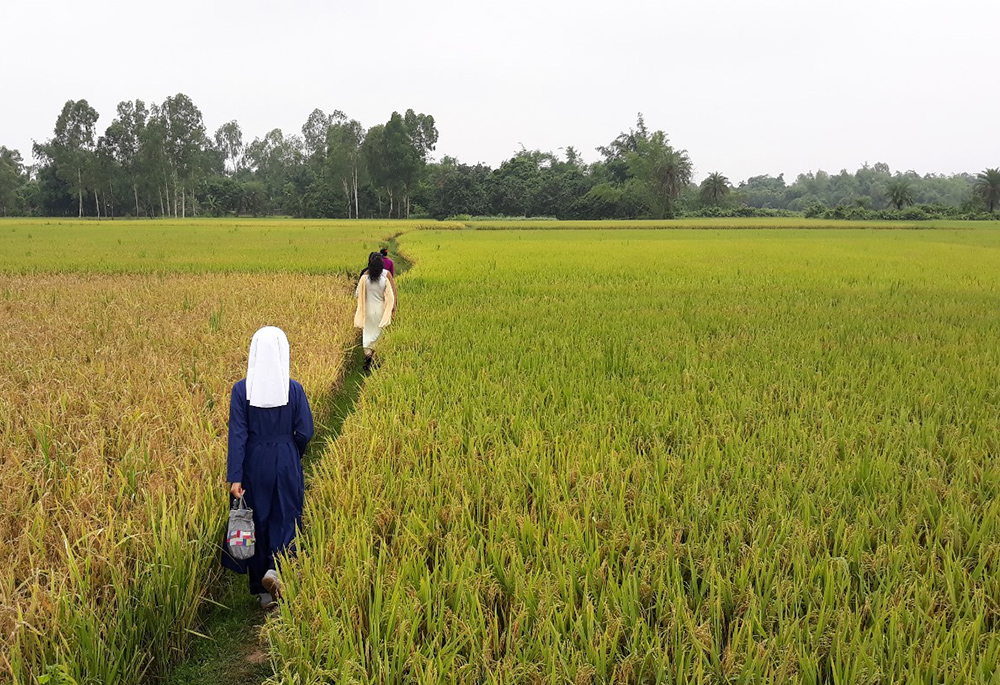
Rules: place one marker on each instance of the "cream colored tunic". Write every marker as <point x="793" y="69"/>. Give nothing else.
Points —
<point x="374" y="307"/>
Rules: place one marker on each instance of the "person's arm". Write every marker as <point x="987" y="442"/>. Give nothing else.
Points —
<point x="302" y="428"/>
<point x="395" y="293"/>
<point x="238" y="433"/>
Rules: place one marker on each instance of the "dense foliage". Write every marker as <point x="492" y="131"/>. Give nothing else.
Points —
<point x="160" y="160"/>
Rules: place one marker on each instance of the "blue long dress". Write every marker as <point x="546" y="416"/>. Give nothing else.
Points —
<point x="265" y="455"/>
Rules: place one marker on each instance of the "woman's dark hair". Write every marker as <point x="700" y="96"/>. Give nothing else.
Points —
<point x="375" y="267"/>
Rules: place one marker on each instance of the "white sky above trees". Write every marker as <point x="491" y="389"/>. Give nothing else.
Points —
<point x="748" y="87"/>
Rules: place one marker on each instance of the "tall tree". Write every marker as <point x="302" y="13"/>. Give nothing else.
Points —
<point x="663" y="171"/>
<point x="123" y="139"/>
<point x="184" y="143"/>
<point x="714" y="189"/>
<point x="71" y="149"/>
<point x="106" y="173"/>
<point x="393" y="161"/>
<point x="274" y="158"/>
<point x="574" y="159"/>
<point x="315" y="129"/>
<point x="617" y="151"/>
<point x="344" y="159"/>
<point x="423" y="136"/>
<point x="422" y="131"/>
<point x="315" y="186"/>
<point x="153" y="162"/>
<point x="988" y="187"/>
<point x="373" y="150"/>
<point x="11" y="180"/>
<point x="229" y="141"/>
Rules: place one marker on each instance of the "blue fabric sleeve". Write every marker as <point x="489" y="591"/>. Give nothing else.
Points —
<point x="238" y="433"/>
<point x="302" y="428"/>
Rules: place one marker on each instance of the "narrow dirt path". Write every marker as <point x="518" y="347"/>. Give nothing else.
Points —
<point x="228" y="649"/>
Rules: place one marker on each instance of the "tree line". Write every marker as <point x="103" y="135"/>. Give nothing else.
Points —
<point x="160" y="160"/>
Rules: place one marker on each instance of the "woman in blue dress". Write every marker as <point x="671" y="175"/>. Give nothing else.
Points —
<point x="270" y="425"/>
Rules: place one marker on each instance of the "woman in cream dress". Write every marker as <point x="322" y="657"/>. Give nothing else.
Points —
<point x="376" y="293"/>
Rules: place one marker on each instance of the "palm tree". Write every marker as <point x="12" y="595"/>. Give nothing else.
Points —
<point x="900" y="193"/>
<point x="714" y="189"/>
<point x="988" y="187"/>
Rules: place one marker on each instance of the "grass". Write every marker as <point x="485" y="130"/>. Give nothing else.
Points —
<point x="112" y="420"/>
<point x="231" y="650"/>
<point x="113" y="415"/>
<point x="731" y="223"/>
<point x="590" y="456"/>
<point x="192" y="245"/>
<point x="685" y="456"/>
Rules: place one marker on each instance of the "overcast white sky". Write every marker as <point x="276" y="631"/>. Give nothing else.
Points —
<point x="746" y="86"/>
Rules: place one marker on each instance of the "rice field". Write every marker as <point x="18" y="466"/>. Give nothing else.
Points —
<point x="784" y="222"/>
<point x="114" y="392"/>
<point x="588" y="456"/>
<point x="686" y="456"/>
<point x="193" y="245"/>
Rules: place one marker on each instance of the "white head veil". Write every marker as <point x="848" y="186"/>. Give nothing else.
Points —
<point x="267" y="368"/>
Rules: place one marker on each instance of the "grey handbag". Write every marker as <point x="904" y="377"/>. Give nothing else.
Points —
<point x="240" y="537"/>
